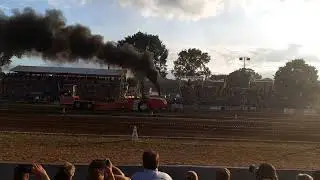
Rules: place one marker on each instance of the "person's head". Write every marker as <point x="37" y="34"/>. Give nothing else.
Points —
<point x="66" y="172"/>
<point x="223" y="174"/>
<point x="304" y="177"/>
<point x="96" y="170"/>
<point x="252" y="169"/>
<point x="266" y="171"/>
<point x="150" y="160"/>
<point x="22" y="172"/>
<point x="191" y="175"/>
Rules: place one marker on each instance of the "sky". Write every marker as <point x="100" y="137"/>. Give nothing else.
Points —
<point x="269" y="32"/>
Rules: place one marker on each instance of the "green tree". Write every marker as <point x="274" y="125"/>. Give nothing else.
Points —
<point x="296" y="84"/>
<point x="143" y="41"/>
<point x="191" y="62"/>
<point x="241" y="78"/>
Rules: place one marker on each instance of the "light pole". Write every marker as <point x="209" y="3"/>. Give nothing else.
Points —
<point x="243" y="95"/>
<point x="244" y="59"/>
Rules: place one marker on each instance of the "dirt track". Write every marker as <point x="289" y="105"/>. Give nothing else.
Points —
<point x="82" y="149"/>
<point x="42" y="148"/>
<point x="254" y="126"/>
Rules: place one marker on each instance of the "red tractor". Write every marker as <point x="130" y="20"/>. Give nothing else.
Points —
<point x="146" y="104"/>
<point x="67" y="100"/>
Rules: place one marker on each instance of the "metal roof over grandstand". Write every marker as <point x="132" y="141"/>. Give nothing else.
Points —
<point x="68" y="70"/>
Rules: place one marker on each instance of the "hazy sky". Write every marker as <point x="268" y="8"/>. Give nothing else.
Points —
<point x="269" y="31"/>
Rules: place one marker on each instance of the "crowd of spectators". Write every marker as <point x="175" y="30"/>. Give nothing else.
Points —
<point x="103" y="169"/>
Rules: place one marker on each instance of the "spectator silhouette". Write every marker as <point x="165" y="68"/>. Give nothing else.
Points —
<point x="23" y="172"/>
<point x="66" y="172"/>
<point x="96" y="170"/>
<point x="191" y="175"/>
<point x="103" y="169"/>
<point x="304" y="177"/>
<point x="223" y="174"/>
<point x="150" y="164"/>
<point x="266" y="171"/>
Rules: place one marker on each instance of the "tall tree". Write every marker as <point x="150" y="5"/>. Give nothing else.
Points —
<point x="241" y="78"/>
<point x="192" y="62"/>
<point x="143" y="41"/>
<point x="296" y="83"/>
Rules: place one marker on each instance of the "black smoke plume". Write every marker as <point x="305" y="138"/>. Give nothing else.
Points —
<point x="47" y="35"/>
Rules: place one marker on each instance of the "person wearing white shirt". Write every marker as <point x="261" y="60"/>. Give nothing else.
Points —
<point x="150" y="164"/>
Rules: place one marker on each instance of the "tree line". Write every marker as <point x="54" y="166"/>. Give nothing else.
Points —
<point x="295" y="84"/>
<point x="190" y="62"/>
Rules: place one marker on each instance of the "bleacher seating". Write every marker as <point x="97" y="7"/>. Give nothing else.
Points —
<point x="17" y="86"/>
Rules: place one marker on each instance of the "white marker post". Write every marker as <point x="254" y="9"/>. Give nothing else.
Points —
<point x="135" y="136"/>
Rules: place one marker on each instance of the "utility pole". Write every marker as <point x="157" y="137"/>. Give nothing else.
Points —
<point x="244" y="59"/>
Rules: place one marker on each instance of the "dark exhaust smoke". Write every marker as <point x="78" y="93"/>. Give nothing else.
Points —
<point x="47" y="35"/>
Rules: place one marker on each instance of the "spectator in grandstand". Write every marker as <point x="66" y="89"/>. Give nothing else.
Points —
<point x="103" y="169"/>
<point x="150" y="160"/>
<point x="304" y="177"/>
<point x="23" y="172"/>
<point x="191" y="175"/>
<point x="66" y="172"/>
<point x="266" y="171"/>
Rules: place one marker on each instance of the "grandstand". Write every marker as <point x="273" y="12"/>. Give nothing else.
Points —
<point x="46" y="83"/>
